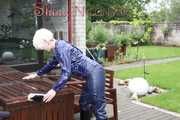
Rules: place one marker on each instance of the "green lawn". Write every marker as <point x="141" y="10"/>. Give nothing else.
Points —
<point x="163" y="75"/>
<point x="152" y="52"/>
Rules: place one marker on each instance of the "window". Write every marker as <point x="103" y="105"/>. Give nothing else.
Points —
<point x="17" y="26"/>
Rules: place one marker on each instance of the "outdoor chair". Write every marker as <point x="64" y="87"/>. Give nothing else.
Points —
<point x="76" y="83"/>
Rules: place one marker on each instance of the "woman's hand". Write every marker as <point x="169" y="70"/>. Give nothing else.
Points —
<point x="49" y="96"/>
<point x="30" y="76"/>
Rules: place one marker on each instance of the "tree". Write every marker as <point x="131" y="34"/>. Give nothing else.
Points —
<point x="159" y="16"/>
<point x="169" y="11"/>
<point x="161" y="11"/>
<point x="114" y="9"/>
<point x="175" y="11"/>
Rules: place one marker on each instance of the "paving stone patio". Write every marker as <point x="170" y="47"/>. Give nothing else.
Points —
<point x="128" y="110"/>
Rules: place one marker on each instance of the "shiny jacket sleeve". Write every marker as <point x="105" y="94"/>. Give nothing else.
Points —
<point x="48" y="67"/>
<point x="65" y="70"/>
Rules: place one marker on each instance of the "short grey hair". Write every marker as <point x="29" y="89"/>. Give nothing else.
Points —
<point x="40" y="37"/>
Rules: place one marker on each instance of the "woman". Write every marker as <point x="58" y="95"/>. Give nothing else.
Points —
<point x="72" y="61"/>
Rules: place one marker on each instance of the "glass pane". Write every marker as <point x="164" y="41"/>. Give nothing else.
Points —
<point x="55" y="17"/>
<point x="17" y="26"/>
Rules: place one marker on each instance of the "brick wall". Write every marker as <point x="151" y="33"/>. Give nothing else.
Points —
<point x="79" y="24"/>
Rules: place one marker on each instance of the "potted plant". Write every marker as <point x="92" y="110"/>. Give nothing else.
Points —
<point x="98" y="36"/>
<point x="122" y="41"/>
<point x="137" y="40"/>
<point x="111" y="47"/>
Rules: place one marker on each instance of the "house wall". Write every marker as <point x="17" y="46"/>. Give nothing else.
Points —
<point x="79" y="24"/>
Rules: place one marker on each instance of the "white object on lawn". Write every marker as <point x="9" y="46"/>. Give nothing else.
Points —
<point x="138" y="86"/>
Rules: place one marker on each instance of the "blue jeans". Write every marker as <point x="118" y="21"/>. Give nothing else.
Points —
<point x="92" y="96"/>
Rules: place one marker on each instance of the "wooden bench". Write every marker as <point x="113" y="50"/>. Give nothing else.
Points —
<point x="76" y="83"/>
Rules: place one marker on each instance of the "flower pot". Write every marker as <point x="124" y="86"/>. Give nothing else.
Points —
<point x="111" y="50"/>
<point x="122" y="51"/>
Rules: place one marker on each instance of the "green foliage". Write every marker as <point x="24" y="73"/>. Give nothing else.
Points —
<point x="159" y="16"/>
<point x="148" y="28"/>
<point x="140" y="18"/>
<point x="107" y="10"/>
<point x="98" y="34"/>
<point x="137" y="38"/>
<point x="169" y="11"/>
<point x="88" y="27"/>
<point x="175" y="11"/>
<point x="137" y="22"/>
<point x="148" y="32"/>
<point x="151" y="52"/>
<point x="162" y="75"/>
<point x="117" y="22"/>
<point x="121" y="39"/>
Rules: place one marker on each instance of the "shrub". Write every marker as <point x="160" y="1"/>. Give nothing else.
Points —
<point x="98" y="35"/>
<point x="137" y="38"/>
<point x="122" y="39"/>
<point x="116" y="22"/>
